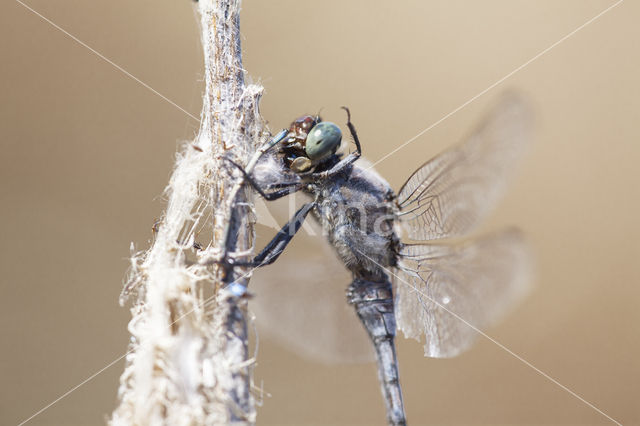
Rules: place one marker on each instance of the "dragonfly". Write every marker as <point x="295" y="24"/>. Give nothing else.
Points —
<point x="441" y="285"/>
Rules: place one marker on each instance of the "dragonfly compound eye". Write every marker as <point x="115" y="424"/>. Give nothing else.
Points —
<point x="323" y="140"/>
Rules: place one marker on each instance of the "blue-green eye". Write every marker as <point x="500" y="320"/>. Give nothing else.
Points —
<point x="323" y="140"/>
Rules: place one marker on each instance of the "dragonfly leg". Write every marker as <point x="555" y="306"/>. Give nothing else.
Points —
<point x="270" y="144"/>
<point x="352" y="129"/>
<point x="276" y="246"/>
<point x="287" y="188"/>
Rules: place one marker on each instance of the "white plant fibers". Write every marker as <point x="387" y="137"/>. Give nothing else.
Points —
<point x="188" y="363"/>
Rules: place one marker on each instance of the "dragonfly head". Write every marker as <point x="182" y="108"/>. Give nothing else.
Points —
<point x="311" y="140"/>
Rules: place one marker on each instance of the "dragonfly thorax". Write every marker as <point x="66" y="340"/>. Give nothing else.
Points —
<point x="357" y="213"/>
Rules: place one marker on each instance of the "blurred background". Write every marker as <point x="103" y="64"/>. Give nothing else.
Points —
<point x="87" y="152"/>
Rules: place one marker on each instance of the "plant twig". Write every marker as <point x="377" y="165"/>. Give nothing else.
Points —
<point x="188" y="359"/>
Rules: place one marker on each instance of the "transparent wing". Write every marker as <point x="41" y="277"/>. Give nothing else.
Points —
<point x="301" y="301"/>
<point x="443" y="291"/>
<point x="451" y="194"/>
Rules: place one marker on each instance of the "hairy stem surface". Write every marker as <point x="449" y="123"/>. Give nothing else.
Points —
<point x="188" y="361"/>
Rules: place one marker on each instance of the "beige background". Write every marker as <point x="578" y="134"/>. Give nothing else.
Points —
<point x="86" y="153"/>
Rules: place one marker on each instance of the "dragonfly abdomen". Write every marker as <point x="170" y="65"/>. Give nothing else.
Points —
<point x="373" y="302"/>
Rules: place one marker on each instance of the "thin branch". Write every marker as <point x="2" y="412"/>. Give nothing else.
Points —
<point x="189" y="353"/>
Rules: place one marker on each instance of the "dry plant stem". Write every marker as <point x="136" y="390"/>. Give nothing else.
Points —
<point x="188" y="356"/>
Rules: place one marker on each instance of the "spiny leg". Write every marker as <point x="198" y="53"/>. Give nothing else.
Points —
<point x="264" y="148"/>
<point x="352" y="129"/>
<point x="287" y="188"/>
<point x="271" y="143"/>
<point x="276" y="246"/>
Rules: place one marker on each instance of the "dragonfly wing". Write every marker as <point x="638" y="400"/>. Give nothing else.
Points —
<point x="301" y="303"/>
<point x="444" y="291"/>
<point x="450" y="195"/>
